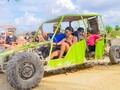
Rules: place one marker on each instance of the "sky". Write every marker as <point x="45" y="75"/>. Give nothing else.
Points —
<point x="27" y="15"/>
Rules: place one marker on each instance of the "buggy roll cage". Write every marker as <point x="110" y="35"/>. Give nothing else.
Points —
<point x="64" y="18"/>
<point x="70" y="18"/>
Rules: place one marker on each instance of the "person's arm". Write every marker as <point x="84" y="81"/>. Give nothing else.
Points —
<point x="74" y="40"/>
<point x="43" y="34"/>
<point x="101" y="38"/>
<point x="98" y="38"/>
<point x="59" y="43"/>
<point x="71" y="42"/>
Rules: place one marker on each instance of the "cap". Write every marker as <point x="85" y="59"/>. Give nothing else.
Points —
<point x="56" y="24"/>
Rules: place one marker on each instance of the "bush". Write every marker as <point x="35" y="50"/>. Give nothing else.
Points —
<point x="117" y="28"/>
<point x="114" y="34"/>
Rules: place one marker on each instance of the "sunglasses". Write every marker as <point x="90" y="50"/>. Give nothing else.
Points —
<point x="66" y="31"/>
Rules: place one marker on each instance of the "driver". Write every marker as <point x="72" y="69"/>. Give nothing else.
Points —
<point x="57" y="38"/>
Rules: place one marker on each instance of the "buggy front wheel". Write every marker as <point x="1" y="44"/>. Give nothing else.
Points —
<point x="24" y="71"/>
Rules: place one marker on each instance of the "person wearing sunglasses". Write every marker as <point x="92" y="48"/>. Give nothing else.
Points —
<point x="65" y="44"/>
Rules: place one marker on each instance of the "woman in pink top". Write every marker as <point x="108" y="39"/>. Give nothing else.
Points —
<point x="92" y="39"/>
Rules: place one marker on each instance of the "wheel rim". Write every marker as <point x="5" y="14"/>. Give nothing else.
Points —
<point x="26" y="70"/>
<point x="117" y="53"/>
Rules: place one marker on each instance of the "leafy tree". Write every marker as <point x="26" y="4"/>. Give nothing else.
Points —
<point x="109" y="29"/>
<point x="117" y="28"/>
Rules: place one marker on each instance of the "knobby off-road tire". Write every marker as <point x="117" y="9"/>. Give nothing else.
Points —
<point x="114" y="54"/>
<point x="24" y="71"/>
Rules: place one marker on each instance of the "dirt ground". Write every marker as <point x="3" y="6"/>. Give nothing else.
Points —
<point x="95" y="78"/>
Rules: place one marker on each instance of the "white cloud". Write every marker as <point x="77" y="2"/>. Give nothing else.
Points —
<point x="63" y="6"/>
<point x="89" y="12"/>
<point x="112" y="16"/>
<point x="28" y="20"/>
<point x="31" y="1"/>
<point x="53" y="7"/>
<point x="66" y="4"/>
<point x="30" y="8"/>
<point x="3" y="1"/>
<point x="55" y="11"/>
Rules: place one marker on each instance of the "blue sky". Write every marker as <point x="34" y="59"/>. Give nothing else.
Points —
<point x="29" y="14"/>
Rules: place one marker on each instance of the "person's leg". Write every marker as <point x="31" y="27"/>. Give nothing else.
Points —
<point x="64" y="48"/>
<point x="54" y="54"/>
<point x="91" y="48"/>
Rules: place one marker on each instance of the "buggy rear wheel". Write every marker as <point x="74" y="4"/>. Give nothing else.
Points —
<point x="114" y="54"/>
<point x="24" y="71"/>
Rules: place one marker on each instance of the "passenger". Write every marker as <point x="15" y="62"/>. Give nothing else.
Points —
<point x="57" y="38"/>
<point x="81" y="35"/>
<point x="10" y="39"/>
<point x="36" y="39"/>
<point x="22" y="41"/>
<point x="27" y="37"/>
<point x="1" y="41"/>
<point x="66" y="43"/>
<point x="92" y="39"/>
<point x="3" y="35"/>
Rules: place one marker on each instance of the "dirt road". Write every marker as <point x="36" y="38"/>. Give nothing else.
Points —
<point x="96" y="78"/>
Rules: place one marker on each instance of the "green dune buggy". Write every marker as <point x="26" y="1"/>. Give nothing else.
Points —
<point x="25" y="66"/>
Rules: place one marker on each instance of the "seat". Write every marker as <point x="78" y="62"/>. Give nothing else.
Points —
<point x="75" y="33"/>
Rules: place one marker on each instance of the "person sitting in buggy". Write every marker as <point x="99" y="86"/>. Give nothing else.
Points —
<point x="27" y="37"/>
<point x="1" y="41"/>
<point x="10" y="39"/>
<point x="65" y="44"/>
<point x="92" y="39"/>
<point x="57" y="38"/>
<point x="79" y="33"/>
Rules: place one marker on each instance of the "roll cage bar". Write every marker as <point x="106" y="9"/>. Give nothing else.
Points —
<point x="70" y="18"/>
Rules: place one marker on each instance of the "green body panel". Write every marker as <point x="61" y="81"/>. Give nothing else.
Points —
<point x="99" y="51"/>
<point x="76" y="55"/>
